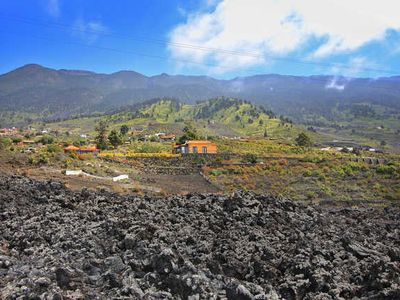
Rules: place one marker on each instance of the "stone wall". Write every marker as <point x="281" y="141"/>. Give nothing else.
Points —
<point x="183" y="165"/>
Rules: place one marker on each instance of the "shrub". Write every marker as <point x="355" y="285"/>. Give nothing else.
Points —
<point x="31" y="160"/>
<point x="317" y="174"/>
<point x="218" y="160"/>
<point x="311" y="195"/>
<point x="386" y="170"/>
<point x="73" y="155"/>
<point x="16" y="140"/>
<point x="42" y="159"/>
<point x="200" y="161"/>
<point x="53" y="148"/>
<point x="4" y="142"/>
<point x="216" y="172"/>
<point x="250" y="158"/>
<point x="46" y="139"/>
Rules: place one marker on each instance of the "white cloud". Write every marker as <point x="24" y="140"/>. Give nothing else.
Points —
<point x="345" y="73"/>
<point x="53" y="7"/>
<point x="259" y="28"/>
<point x="334" y="84"/>
<point x="89" y="31"/>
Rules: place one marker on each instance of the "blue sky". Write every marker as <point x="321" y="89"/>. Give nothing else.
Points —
<point x="224" y="39"/>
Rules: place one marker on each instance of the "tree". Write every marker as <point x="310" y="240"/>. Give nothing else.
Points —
<point x="115" y="138"/>
<point x="124" y="129"/>
<point x="189" y="133"/>
<point x="303" y="140"/>
<point x="101" y="137"/>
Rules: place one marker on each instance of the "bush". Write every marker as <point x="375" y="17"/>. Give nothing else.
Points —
<point x="42" y="159"/>
<point x="4" y="142"/>
<point x="218" y="160"/>
<point x="387" y="170"/>
<point x="46" y="139"/>
<point x="250" y="158"/>
<point x="53" y="148"/>
<point x="200" y="161"/>
<point x="16" y="140"/>
<point x="79" y="143"/>
<point x="216" y="172"/>
<point x="31" y="160"/>
<point x="317" y="174"/>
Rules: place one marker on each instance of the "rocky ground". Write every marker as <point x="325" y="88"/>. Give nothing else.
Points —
<point x="60" y="244"/>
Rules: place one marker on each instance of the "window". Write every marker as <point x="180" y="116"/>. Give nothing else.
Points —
<point x="195" y="149"/>
<point x="204" y="150"/>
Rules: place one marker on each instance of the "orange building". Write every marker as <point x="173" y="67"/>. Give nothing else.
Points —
<point x="87" y="150"/>
<point x="71" y="148"/>
<point x="202" y="147"/>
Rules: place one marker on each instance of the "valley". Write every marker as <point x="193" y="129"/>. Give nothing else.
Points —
<point x="360" y="109"/>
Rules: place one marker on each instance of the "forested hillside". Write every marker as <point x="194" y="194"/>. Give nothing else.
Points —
<point x="221" y="116"/>
<point x="33" y="92"/>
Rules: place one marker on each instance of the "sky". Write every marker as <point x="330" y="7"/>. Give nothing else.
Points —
<point x="218" y="38"/>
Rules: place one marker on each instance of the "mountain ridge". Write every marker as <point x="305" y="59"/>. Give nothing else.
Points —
<point x="54" y="94"/>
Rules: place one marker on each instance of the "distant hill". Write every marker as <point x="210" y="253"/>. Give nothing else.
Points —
<point x="33" y="92"/>
<point x="221" y="116"/>
<point x="217" y="116"/>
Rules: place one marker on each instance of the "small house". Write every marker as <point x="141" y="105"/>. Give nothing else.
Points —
<point x="88" y="150"/>
<point x="77" y="150"/>
<point x="196" y="147"/>
<point x="71" y="148"/>
<point x="168" y="137"/>
<point x="27" y="142"/>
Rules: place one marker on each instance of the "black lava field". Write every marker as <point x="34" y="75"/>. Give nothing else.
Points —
<point x="60" y="244"/>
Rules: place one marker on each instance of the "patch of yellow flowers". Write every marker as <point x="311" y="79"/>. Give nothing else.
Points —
<point x="136" y="154"/>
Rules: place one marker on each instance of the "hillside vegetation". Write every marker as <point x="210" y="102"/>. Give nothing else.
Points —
<point x="220" y="116"/>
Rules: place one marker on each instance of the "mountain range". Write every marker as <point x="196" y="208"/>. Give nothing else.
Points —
<point x="34" y="92"/>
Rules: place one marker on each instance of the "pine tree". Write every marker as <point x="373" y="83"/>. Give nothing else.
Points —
<point x="101" y="137"/>
<point x="115" y="138"/>
<point x="124" y="129"/>
<point x="303" y="140"/>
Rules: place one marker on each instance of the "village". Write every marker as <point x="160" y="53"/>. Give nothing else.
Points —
<point x="129" y="159"/>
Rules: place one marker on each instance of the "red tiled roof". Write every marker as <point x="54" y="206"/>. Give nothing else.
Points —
<point x="71" y="148"/>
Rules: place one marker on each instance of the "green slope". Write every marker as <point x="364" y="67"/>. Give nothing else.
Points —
<point x="220" y="116"/>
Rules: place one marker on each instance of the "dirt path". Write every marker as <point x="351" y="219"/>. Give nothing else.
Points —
<point x="144" y="182"/>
